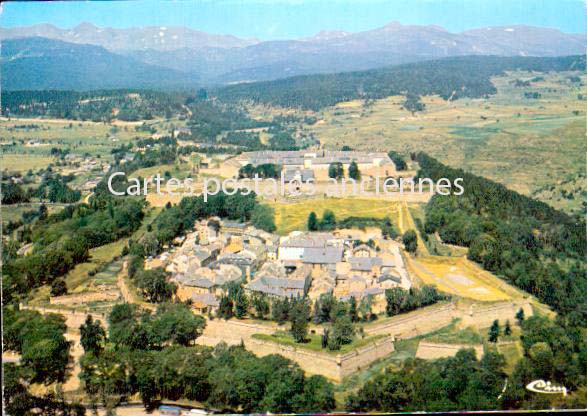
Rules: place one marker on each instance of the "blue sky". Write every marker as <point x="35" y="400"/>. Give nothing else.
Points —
<point x="287" y="19"/>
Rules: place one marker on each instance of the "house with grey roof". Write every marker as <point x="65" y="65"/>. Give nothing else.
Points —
<point x="274" y="280"/>
<point x="299" y="175"/>
<point x="293" y="246"/>
<point x="204" y="302"/>
<point x="365" y="266"/>
<point x="234" y="228"/>
<point x="277" y="287"/>
<point x="393" y="279"/>
<point x="322" y="256"/>
<point x="246" y="263"/>
<point x="205" y="280"/>
<point x="202" y="257"/>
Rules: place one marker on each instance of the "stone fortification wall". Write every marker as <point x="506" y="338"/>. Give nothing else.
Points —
<point x="432" y="318"/>
<point x="433" y="350"/>
<point x="233" y="332"/>
<point x="332" y="366"/>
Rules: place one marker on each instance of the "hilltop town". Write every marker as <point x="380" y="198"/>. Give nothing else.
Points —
<point x="301" y="264"/>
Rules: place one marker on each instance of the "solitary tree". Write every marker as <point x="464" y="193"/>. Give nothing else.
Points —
<point x="324" y="338"/>
<point x="335" y="170"/>
<point x="262" y="217"/>
<point x="494" y="331"/>
<point x="396" y="298"/>
<point x="354" y="172"/>
<point x="316" y="312"/>
<point x="299" y="316"/>
<point x="342" y="333"/>
<point x="280" y="310"/>
<point x="225" y="308"/>
<point x="242" y="304"/>
<point x="353" y="313"/>
<point x="520" y="316"/>
<point x="312" y="221"/>
<point x="398" y="160"/>
<point x="261" y="305"/>
<point x="58" y="287"/>
<point x="508" y="329"/>
<point x="92" y="335"/>
<point x="155" y="286"/>
<point x="328" y="222"/>
<point x="410" y="241"/>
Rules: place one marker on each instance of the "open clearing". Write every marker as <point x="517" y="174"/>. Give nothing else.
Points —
<point x="22" y="162"/>
<point x="461" y="277"/>
<point x="294" y="216"/>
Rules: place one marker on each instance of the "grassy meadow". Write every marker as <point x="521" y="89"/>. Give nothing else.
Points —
<point x="27" y="143"/>
<point x="294" y="215"/>
<point x="525" y="143"/>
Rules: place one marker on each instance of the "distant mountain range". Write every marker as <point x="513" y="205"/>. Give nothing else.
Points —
<point x="159" y="38"/>
<point x="42" y="64"/>
<point x="181" y="55"/>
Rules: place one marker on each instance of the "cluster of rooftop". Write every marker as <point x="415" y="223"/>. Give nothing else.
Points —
<point x="218" y="253"/>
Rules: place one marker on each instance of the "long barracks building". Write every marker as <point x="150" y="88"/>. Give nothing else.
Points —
<point x="369" y="163"/>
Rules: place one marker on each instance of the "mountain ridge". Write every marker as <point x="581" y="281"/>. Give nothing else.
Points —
<point x="226" y="59"/>
<point x="37" y="63"/>
<point x="114" y="39"/>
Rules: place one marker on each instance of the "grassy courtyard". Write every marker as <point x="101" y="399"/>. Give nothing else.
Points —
<point x="314" y="342"/>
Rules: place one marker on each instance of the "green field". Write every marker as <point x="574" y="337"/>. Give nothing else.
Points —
<point x="27" y="143"/>
<point x="453" y="335"/>
<point x="14" y="212"/>
<point x="294" y="215"/>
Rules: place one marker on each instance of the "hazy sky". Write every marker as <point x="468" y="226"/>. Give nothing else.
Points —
<point x="286" y="19"/>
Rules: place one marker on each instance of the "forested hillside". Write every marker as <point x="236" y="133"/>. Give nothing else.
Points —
<point x="537" y="249"/>
<point x="452" y="78"/>
<point x="128" y="105"/>
<point x="534" y="246"/>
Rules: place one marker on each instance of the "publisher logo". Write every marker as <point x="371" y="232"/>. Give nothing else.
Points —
<point x="546" y="387"/>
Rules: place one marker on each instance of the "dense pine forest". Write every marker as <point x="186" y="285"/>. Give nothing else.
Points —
<point x="450" y="78"/>
<point x="127" y="105"/>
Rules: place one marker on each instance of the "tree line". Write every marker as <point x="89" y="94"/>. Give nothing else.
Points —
<point x="154" y="355"/>
<point x="53" y="188"/>
<point x="99" y="106"/>
<point x="452" y="78"/>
